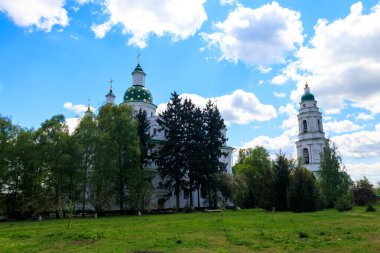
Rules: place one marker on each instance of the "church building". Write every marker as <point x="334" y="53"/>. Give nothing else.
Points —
<point x="311" y="137"/>
<point x="139" y="97"/>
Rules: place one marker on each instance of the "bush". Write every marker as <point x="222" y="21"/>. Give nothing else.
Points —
<point x="370" y="208"/>
<point x="344" y="203"/>
<point x="364" y="193"/>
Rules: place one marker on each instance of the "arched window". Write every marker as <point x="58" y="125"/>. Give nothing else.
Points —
<point x="319" y="125"/>
<point x="304" y="122"/>
<point x="154" y="131"/>
<point x="151" y="114"/>
<point x="306" y="156"/>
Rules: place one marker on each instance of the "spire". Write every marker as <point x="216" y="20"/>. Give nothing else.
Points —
<point x="110" y="97"/>
<point x="307" y="89"/>
<point x="138" y="75"/>
<point x="88" y="112"/>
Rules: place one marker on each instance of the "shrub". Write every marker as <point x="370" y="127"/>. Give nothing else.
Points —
<point x="344" y="203"/>
<point x="370" y="208"/>
<point x="364" y="193"/>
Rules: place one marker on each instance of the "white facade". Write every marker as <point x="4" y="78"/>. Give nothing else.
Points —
<point x="138" y="82"/>
<point x="311" y="138"/>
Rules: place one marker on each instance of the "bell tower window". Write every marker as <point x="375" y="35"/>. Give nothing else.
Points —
<point x="319" y="125"/>
<point x="306" y="156"/>
<point x="304" y="123"/>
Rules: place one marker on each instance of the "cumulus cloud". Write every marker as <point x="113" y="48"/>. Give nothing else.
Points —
<point x="341" y="126"/>
<point x="261" y="36"/>
<point x="78" y="109"/>
<point x="228" y="2"/>
<point x="178" y="18"/>
<point x="343" y="60"/>
<point x="42" y="14"/>
<point x="358" y="171"/>
<point x="284" y="143"/>
<point x="279" y="80"/>
<point x="364" y="116"/>
<point x="362" y="144"/>
<point x="240" y="107"/>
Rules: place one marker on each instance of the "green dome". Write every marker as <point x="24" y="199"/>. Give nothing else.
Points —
<point x="307" y="97"/>
<point x="138" y="93"/>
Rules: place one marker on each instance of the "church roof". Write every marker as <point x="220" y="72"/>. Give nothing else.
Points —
<point x="138" y="93"/>
<point x="307" y="97"/>
<point x="138" y="69"/>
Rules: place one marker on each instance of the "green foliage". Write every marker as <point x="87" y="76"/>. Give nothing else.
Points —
<point x="364" y="193"/>
<point x="345" y="202"/>
<point x="282" y="167"/>
<point x="333" y="180"/>
<point x="189" y="158"/>
<point x="370" y="208"/>
<point x="303" y="191"/>
<point x="256" y="168"/>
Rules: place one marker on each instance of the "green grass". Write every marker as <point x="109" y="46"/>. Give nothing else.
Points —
<point x="230" y="231"/>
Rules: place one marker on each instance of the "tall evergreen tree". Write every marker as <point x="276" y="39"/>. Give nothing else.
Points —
<point x="144" y="136"/>
<point x="214" y="139"/>
<point x="282" y="167"/>
<point x="334" y="181"/>
<point x="170" y="156"/>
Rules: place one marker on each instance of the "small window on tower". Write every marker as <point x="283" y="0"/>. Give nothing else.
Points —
<point x="151" y="114"/>
<point x="154" y="131"/>
<point x="304" y="126"/>
<point x="319" y="125"/>
<point x="306" y="156"/>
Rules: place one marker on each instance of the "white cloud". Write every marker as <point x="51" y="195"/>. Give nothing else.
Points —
<point x="261" y="36"/>
<point x="279" y="94"/>
<point x="291" y="123"/>
<point x="341" y="126"/>
<point x="78" y="109"/>
<point x="178" y="18"/>
<point x="264" y="69"/>
<point x="279" y="80"/>
<point x="358" y="171"/>
<point x="364" y="116"/>
<point x="228" y="2"/>
<point x="240" y="107"/>
<point x="284" y="143"/>
<point x="363" y="144"/>
<point x="43" y="14"/>
<point x="82" y="2"/>
<point x="343" y="59"/>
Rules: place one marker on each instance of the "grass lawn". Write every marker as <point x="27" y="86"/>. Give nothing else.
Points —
<point x="229" y="231"/>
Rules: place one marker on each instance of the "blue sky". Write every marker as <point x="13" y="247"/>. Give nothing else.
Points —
<point x="251" y="57"/>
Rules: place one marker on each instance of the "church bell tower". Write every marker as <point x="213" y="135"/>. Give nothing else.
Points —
<point x="311" y="137"/>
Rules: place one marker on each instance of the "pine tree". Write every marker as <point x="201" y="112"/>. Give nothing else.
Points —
<point x="213" y="127"/>
<point x="144" y="136"/>
<point x="282" y="167"/>
<point x="170" y="156"/>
